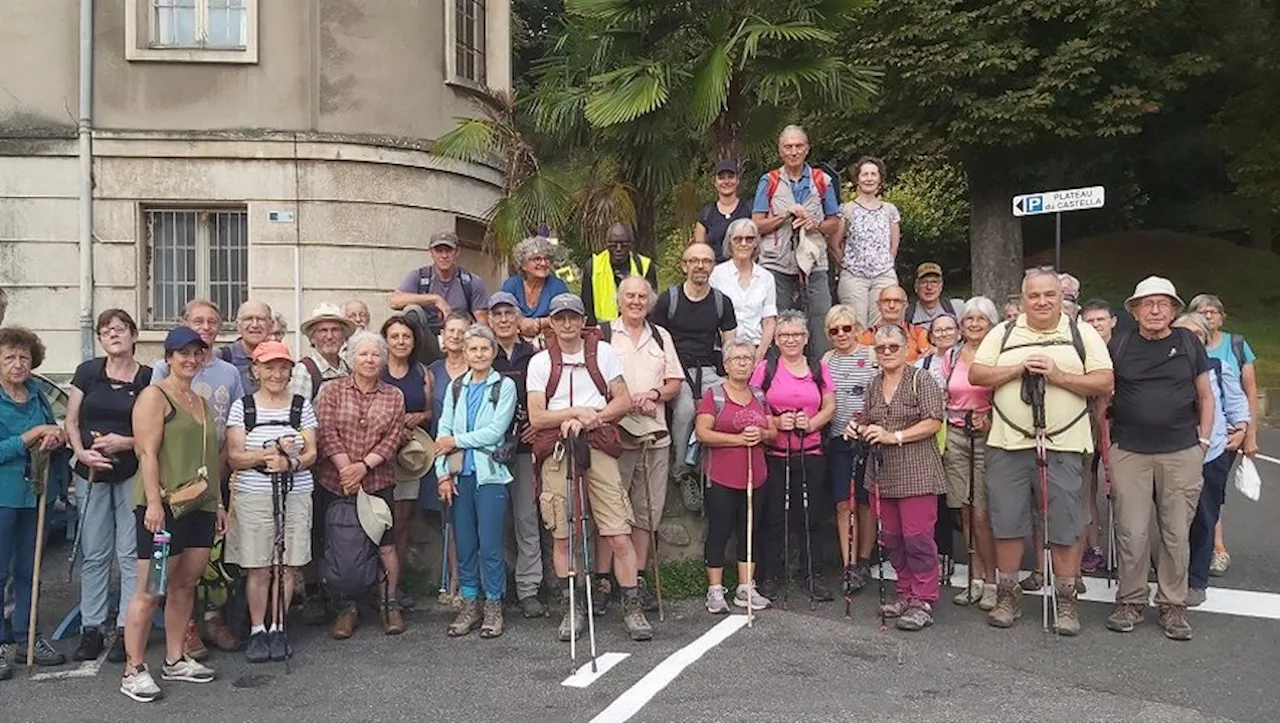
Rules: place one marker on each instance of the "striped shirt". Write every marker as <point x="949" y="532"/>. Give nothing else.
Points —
<point x="272" y="425"/>
<point x="852" y="374"/>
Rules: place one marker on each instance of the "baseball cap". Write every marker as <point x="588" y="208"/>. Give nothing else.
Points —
<point x="443" y="238"/>
<point x="727" y="164"/>
<point x="927" y="268"/>
<point x="503" y="297"/>
<point x="567" y="302"/>
<point x="180" y="337"/>
<point x="269" y="351"/>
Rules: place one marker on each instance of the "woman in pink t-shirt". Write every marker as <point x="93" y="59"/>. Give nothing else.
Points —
<point x="801" y="405"/>
<point x="733" y="425"/>
<point x="969" y="417"/>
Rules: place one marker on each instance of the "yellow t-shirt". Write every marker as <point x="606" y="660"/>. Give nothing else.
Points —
<point x="1061" y="406"/>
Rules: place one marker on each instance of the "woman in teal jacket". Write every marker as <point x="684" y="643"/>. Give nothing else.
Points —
<point x="474" y="422"/>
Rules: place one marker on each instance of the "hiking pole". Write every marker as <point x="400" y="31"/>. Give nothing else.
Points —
<point x="35" y="571"/>
<point x="879" y="552"/>
<point x="1104" y="450"/>
<point x="750" y="581"/>
<point x="969" y="554"/>
<point x="859" y="452"/>
<point x="567" y="449"/>
<point x="786" y="530"/>
<point x="83" y="510"/>
<point x="446" y="521"/>
<point x="1042" y="464"/>
<point x="580" y="483"/>
<point x="808" y="544"/>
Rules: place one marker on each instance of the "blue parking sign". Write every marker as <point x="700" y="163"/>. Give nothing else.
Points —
<point x="1035" y="204"/>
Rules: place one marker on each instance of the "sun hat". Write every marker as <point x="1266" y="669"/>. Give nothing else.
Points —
<point x="327" y="312"/>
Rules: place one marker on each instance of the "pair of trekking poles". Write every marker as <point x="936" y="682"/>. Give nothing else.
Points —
<point x="786" y="527"/>
<point x="281" y="488"/>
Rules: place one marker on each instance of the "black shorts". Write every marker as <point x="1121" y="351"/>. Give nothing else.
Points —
<point x="193" y="530"/>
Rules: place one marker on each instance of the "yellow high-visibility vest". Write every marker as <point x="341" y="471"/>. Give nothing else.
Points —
<point x="605" y="289"/>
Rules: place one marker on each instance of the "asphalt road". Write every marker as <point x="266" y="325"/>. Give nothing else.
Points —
<point x="793" y="665"/>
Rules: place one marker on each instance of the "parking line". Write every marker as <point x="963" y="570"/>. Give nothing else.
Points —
<point x="87" y="669"/>
<point x="1265" y="458"/>
<point x="630" y="702"/>
<point x="583" y="676"/>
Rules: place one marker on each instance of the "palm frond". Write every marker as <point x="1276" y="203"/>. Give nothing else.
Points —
<point x="627" y="93"/>
<point x="711" y="86"/>
<point x="610" y="11"/>
<point x="794" y="31"/>
<point x="472" y="140"/>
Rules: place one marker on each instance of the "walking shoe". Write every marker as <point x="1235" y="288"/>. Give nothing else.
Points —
<point x="715" y="600"/>
<point x="468" y="619"/>
<point x="571" y="626"/>
<point x="969" y="595"/>
<point x="186" y="670"/>
<point x="855" y="577"/>
<point x="1195" y="597"/>
<point x="6" y="671"/>
<point x="259" y="649"/>
<point x="1080" y="586"/>
<point x="406" y="601"/>
<point x="817" y="587"/>
<point x="281" y="648"/>
<point x="116" y="654"/>
<point x="601" y="591"/>
<point x="691" y="492"/>
<point x="45" y="654"/>
<point x="633" y="618"/>
<point x="1173" y="620"/>
<point x="647" y="600"/>
<point x="770" y="586"/>
<point x="494" y="623"/>
<point x="90" y="644"/>
<point x="217" y="632"/>
<point x="748" y="592"/>
<point x="1125" y="617"/>
<point x="192" y="646"/>
<point x="392" y="619"/>
<point x="1092" y="560"/>
<point x="531" y="607"/>
<point x="1066" y="613"/>
<point x="1032" y="582"/>
<point x="1008" y="607"/>
<point x="988" y="601"/>
<point x="344" y="625"/>
<point x="1219" y="563"/>
<point x="917" y="615"/>
<point x="313" y="610"/>
<point x="140" y="686"/>
<point x="892" y="609"/>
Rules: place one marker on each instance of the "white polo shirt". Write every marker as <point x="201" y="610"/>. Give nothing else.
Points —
<point x="751" y="304"/>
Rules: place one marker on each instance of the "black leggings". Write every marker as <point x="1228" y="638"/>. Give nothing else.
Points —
<point x="815" y="470"/>
<point x="727" y="515"/>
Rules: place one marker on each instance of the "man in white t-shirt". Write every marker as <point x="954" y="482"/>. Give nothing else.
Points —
<point x="576" y="388"/>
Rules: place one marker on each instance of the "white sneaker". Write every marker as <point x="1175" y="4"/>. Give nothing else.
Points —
<point x="758" y="601"/>
<point x="971" y="595"/>
<point x="715" y="600"/>
<point x="140" y="686"/>
<point x="187" y="670"/>
<point x="988" y="601"/>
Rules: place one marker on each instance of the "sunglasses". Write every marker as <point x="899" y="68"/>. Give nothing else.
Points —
<point x="885" y="349"/>
<point x="842" y="329"/>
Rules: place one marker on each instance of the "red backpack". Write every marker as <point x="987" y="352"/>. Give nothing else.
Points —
<point x="775" y="178"/>
<point x="605" y="437"/>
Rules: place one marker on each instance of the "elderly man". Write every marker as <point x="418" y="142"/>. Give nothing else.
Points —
<point x="327" y="330"/>
<point x="929" y="303"/>
<point x="357" y="312"/>
<point x="1162" y="420"/>
<point x="797" y="212"/>
<point x="430" y="293"/>
<point x="700" y="319"/>
<point x="255" y="324"/>
<point x="579" y="392"/>
<point x="892" y="304"/>
<point x="512" y="361"/>
<point x="604" y="271"/>
<point x="654" y="377"/>
<point x="1040" y="350"/>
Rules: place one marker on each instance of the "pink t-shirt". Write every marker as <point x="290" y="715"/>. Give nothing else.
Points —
<point x="963" y="396"/>
<point x="789" y="393"/>
<point x="727" y="466"/>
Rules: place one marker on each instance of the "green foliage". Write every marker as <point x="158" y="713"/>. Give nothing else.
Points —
<point x="932" y="199"/>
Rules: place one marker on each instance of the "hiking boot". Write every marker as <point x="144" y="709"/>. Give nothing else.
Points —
<point x="971" y="594"/>
<point x="314" y="611"/>
<point x="748" y="592"/>
<point x="1080" y="586"/>
<point x="494" y="623"/>
<point x="715" y="600"/>
<point x="1066" y="614"/>
<point x="855" y="577"/>
<point x="187" y="670"/>
<point x="633" y="618"/>
<point x="1125" y="617"/>
<point x="600" y="596"/>
<point x="647" y="600"/>
<point x="1219" y="563"/>
<point x="571" y="626"/>
<point x="691" y="493"/>
<point x="344" y="625"/>
<point x="90" y="644"/>
<point x="140" y="686"/>
<point x="1092" y="560"/>
<point x="45" y="654"/>
<point x="770" y="586"/>
<point x="468" y="619"/>
<point x="259" y="649"/>
<point x="192" y="646"/>
<point x="217" y="632"/>
<point x="892" y="609"/>
<point x="1008" y="607"/>
<point x="1032" y="582"/>
<point x="1173" y="620"/>
<point x="117" y="654"/>
<point x="988" y="601"/>
<point x="917" y="615"/>
<point x="6" y="670"/>
<point x="531" y="607"/>
<point x="1195" y="597"/>
<point x="281" y="648"/>
<point x="392" y="620"/>
<point x="817" y="587"/>
<point x="406" y="601"/>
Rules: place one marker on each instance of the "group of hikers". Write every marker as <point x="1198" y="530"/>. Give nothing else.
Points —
<point x="880" y="425"/>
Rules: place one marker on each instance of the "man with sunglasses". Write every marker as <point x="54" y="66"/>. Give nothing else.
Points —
<point x="892" y="305"/>
<point x="604" y="271"/>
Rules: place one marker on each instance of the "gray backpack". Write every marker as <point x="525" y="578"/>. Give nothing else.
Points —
<point x="350" y="565"/>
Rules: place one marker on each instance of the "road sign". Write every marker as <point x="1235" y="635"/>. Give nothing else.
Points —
<point x="1073" y="199"/>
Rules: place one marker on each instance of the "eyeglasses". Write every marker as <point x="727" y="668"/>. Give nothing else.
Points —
<point x="540" y="259"/>
<point x="790" y="335"/>
<point x="944" y="332"/>
<point x="700" y="262"/>
<point x="842" y="329"/>
<point x="113" y="331"/>
<point x="1155" y="304"/>
<point x="893" y="302"/>
<point x="739" y="359"/>
<point x="1039" y="270"/>
<point x="744" y="240"/>
<point x="887" y="349"/>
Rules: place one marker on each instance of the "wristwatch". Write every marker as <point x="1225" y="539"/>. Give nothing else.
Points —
<point x="898" y="436"/>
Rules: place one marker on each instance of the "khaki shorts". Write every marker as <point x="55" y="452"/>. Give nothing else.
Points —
<point x="610" y="508"/>
<point x="407" y="490"/>
<point x="644" y="474"/>
<point x="251" y="536"/>
<point x="955" y="460"/>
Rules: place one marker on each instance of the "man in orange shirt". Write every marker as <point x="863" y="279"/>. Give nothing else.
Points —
<point x="892" y="304"/>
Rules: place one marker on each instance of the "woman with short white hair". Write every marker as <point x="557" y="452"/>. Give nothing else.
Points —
<point x="748" y="285"/>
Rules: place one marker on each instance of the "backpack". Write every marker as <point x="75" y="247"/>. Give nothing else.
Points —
<point x="224" y="353"/>
<point x="590" y="348"/>
<point x="1237" y="348"/>
<point x="775" y="178"/>
<point x="606" y="333"/>
<point x="771" y="369"/>
<point x="673" y="300"/>
<point x="251" y="413"/>
<point x="1076" y="341"/>
<point x="505" y="451"/>
<point x="317" y="379"/>
<point x="350" y="565"/>
<point x="955" y="310"/>
<point x="718" y="396"/>
<point x="427" y="273"/>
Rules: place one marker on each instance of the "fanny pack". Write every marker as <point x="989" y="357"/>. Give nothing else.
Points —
<point x="190" y="494"/>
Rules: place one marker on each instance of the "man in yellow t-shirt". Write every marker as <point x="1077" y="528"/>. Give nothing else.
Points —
<point x="1074" y="363"/>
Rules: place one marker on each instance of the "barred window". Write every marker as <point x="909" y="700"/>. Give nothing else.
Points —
<point x="219" y="24"/>
<point x="469" y="40"/>
<point x="195" y="253"/>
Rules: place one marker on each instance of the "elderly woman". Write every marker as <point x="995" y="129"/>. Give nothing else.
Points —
<point x="748" y="285"/>
<point x="1230" y="422"/>
<point x="176" y="438"/>
<point x="872" y="234"/>
<point x="271" y="443"/>
<point x="279" y="327"/>
<point x="904" y="410"/>
<point x="944" y="334"/>
<point x="968" y="419"/>
<point x="100" y="429"/>
<point x="28" y="432"/>
<point x="477" y="414"/>
<point x="711" y="227"/>
<point x="732" y="425"/>
<point x="801" y="395"/>
<point x="534" y="286"/>
<point x="1232" y="351"/>
<point x="852" y="366"/>
<point x="361" y="425"/>
<point x="440" y="375"/>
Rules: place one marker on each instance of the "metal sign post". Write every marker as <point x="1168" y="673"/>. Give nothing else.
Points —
<point x="1057" y="203"/>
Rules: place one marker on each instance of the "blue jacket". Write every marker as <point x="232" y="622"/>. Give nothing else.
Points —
<point x="15" y="420"/>
<point x="490" y="429"/>
<point x="1231" y="403"/>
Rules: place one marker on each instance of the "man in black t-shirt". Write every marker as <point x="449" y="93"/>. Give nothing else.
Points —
<point x="700" y="322"/>
<point x="1162" y="417"/>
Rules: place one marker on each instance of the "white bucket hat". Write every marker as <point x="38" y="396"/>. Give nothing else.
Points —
<point x="327" y="312"/>
<point x="1154" y="286"/>
<point x="374" y="514"/>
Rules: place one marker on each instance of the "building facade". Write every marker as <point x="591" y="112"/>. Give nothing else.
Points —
<point x="278" y="150"/>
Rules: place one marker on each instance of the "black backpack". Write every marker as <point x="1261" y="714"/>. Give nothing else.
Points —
<point x="350" y="565"/>
<point x="771" y="369"/>
<point x="251" y="414"/>
<point x="505" y="452"/>
<point x="426" y="273"/>
<point x="1076" y="341"/>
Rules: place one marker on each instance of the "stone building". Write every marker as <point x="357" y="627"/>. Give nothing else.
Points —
<point x="279" y="150"/>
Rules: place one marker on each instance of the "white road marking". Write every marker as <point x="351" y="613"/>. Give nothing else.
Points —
<point x="1265" y="458"/>
<point x="630" y="702"/>
<point x="1222" y="600"/>
<point x="87" y="669"/>
<point x="584" y="677"/>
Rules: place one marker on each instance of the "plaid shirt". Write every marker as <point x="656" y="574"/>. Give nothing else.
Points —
<point x="357" y="424"/>
<point x="914" y="468"/>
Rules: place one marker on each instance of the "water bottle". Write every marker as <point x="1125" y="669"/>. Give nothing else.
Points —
<point x="158" y="578"/>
